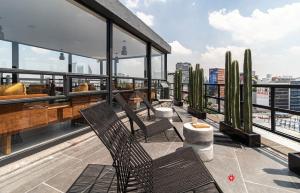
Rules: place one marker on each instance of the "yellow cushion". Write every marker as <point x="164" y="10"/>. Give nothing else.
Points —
<point x="14" y="89"/>
<point x="2" y="88"/>
<point x="82" y="87"/>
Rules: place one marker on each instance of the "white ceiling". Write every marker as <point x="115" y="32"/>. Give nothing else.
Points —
<point x="59" y="24"/>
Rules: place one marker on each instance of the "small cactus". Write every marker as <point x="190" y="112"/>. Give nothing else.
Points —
<point x="235" y="94"/>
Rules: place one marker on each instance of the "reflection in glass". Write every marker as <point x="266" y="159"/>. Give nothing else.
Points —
<point x="129" y="54"/>
<point x="5" y="54"/>
<point x="157" y="64"/>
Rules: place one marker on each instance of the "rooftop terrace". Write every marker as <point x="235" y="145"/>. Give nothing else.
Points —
<point x="55" y="169"/>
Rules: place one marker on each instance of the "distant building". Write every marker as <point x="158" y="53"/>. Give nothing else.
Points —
<point x="184" y="66"/>
<point x="216" y="76"/>
<point x="282" y="95"/>
<point x="295" y="96"/>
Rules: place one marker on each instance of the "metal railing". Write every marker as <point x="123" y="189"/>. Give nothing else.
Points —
<point x="275" y="117"/>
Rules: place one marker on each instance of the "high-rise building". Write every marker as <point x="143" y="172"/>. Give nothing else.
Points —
<point x="295" y="96"/>
<point x="184" y="66"/>
<point x="217" y="76"/>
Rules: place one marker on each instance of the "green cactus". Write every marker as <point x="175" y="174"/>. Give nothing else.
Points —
<point x="178" y="85"/>
<point x="247" y="89"/>
<point x="227" y="109"/>
<point x="235" y="94"/>
<point x="190" y="96"/>
<point x="196" y="81"/>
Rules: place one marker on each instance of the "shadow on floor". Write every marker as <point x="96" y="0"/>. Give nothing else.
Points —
<point x="275" y="156"/>
<point x="282" y="172"/>
<point x="287" y="184"/>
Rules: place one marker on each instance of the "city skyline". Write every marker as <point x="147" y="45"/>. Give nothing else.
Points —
<point x="207" y="30"/>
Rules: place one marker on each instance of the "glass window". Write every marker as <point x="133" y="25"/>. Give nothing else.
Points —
<point x="34" y="58"/>
<point x="129" y="54"/>
<point x="47" y="33"/>
<point x="54" y="29"/>
<point x="157" y="64"/>
<point x="85" y="65"/>
<point x="5" y="54"/>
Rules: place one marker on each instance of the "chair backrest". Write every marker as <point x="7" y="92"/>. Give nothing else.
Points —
<point x="146" y="102"/>
<point x="130" y="113"/>
<point x="130" y="158"/>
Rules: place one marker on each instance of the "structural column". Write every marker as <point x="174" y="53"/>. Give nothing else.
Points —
<point x="109" y="55"/>
<point x="166" y="67"/>
<point x="149" y="75"/>
<point x="15" y="61"/>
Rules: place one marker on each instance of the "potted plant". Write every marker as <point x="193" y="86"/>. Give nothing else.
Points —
<point x="294" y="162"/>
<point x="178" y="88"/>
<point x="232" y="122"/>
<point x="196" y="92"/>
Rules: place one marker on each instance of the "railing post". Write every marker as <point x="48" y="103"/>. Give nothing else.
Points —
<point x="273" y="123"/>
<point x="109" y="55"/>
<point x="219" y="100"/>
<point x="205" y="96"/>
<point x="149" y="70"/>
<point x="66" y="88"/>
<point x="133" y="83"/>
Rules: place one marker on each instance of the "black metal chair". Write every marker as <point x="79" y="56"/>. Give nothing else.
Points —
<point x="181" y="171"/>
<point x="151" y="108"/>
<point x="155" y="128"/>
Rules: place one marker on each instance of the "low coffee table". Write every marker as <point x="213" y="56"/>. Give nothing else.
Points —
<point x="164" y="112"/>
<point x="200" y="139"/>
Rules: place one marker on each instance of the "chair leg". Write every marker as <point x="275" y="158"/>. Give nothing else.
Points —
<point x="131" y="126"/>
<point x="176" y="131"/>
<point x="166" y="135"/>
<point x="149" y="113"/>
<point x="146" y="140"/>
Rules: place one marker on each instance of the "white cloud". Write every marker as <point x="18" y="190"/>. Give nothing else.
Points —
<point x="147" y="19"/>
<point x="274" y="24"/>
<point x="295" y="50"/>
<point x="148" y="2"/>
<point x="131" y="3"/>
<point x="215" y="56"/>
<point x="39" y="50"/>
<point x="178" y="48"/>
<point x="134" y="4"/>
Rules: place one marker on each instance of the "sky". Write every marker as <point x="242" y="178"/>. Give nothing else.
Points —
<point x="201" y="31"/>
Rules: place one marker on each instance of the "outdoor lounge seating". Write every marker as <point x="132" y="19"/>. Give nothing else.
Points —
<point x="149" y="130"/>
<point x="181" y="171"/>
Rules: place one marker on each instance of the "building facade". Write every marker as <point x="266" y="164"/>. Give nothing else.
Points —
<point x="217" y="76"/>
<point x="184" y="66"/>
<point x="295" y="96"/>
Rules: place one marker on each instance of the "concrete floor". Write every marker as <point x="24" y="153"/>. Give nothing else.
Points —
<point x="259" y="170"/>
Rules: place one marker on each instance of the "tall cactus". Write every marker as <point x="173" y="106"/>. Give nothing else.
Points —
<point x="178" y="85"/>
<point x="196" y="81"/>
<point x="247" y="89"/>
<point x="190" y="96"/>
<point x="227" y="109"/>
<point x="235" y="94"/>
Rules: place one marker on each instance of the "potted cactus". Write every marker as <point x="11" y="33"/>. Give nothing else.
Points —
<point x="232" y="124"/>
<point x="178" y="88"/>
<point x="196" y="92"/>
